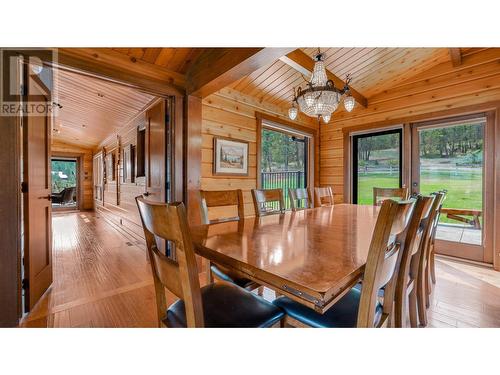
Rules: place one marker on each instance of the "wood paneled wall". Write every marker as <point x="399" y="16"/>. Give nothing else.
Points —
<point x="119" y="196"/>
<point x="228" y="113"/>
<point x="59" y="148"/>
<point x="440" y="88"/>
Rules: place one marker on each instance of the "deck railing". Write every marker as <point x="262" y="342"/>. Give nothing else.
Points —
<point x="283" y="180"/>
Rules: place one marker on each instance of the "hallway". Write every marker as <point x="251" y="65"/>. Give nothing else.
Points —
<point x="102" y="279"/>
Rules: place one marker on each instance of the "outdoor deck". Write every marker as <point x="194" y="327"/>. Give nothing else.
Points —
<point x="458" y="233"/>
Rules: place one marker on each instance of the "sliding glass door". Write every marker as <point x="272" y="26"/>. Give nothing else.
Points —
<point x="376" y="163"/>
<point x="450" y="156"/>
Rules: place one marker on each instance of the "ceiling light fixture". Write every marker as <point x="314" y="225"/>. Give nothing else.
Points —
<point x="321" y="98"/>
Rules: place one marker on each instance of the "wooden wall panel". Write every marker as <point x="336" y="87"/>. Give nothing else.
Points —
<point x="60" y="148"/>
<point x="228" y="113"/>
<point x="119" y="196"/>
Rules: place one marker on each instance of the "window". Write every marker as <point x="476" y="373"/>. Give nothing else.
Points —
<point x="284" y="159"/>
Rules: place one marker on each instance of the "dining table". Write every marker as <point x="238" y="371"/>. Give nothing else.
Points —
<point x="313" y="256"/>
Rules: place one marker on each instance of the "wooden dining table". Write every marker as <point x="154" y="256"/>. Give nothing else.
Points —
<point x="313" y="256"/>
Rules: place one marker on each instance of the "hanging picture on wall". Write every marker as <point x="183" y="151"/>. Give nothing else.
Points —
<point x="230" y="157"/>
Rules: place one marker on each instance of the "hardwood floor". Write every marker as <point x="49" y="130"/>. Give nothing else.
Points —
<point x="102" y="279"/>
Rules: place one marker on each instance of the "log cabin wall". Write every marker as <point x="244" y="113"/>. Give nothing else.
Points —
<point x="230" y="114"/>
<point x="441" y="88"/>
<point x="119" y="194"/>
<point x="59" y="148"/>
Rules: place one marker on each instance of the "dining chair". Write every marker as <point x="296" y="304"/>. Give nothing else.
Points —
<point x="224" y="198"/>
<point x="361" y="307"/>
<point x="388" y="193"/>
<point x="432" y="264"/>
<point x="268" y="201"/>
<point x="411" y="240"/>
<point x="219" y="304"/>
<point x="300" y="198"/>
<point x="420" y="263"/>
<point x="323" y="196"/>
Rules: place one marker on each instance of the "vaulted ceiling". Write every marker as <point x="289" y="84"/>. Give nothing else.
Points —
<point x="372" y="70"/>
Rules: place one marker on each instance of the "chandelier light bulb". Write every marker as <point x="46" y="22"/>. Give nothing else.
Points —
<point x="292" y="113"/>
<point x="349" y="103"/>
<point x="326" y="118"/>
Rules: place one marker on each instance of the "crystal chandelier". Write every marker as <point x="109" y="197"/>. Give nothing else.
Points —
<point x="320" y="98"/>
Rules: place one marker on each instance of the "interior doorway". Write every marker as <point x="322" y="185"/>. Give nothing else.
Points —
<point x="65" y="186"/>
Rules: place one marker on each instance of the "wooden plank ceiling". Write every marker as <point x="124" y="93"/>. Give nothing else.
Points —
<point x="92" y="109"/>
<point x="373" y="70"/>
<point x="175" y="59"/>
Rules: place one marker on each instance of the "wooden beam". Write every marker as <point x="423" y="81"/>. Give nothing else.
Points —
<point x="117" y="67"/>
<point x="217" y="68"/>
<point x="304" y="64"/>
<point x="456" y="56"/>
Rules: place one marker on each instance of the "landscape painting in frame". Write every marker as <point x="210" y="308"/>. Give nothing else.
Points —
<point x="230" y="157"/>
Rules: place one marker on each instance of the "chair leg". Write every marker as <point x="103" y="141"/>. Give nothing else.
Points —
<point x="412" y="308"/>
<point x="432" y="266"/>
<point x="421" y="296"/>
<point x="210" y="277"/>
<point x="260" y="291"/>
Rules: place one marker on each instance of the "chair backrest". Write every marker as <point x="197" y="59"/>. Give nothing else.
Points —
<point x="262" y="198"/>
<point x="438" y="216"/>
<point x="419" y="259"/>
<point x="388" y="193"/>
<point x="221" y="198"/>
<point x="69" y="194"/>
<point x="300" y="198"/>
<point x="169" y="222"/>
<point x="381" y="265"/>
<point x="410" y="241"/>
<point x="323" y="196"/>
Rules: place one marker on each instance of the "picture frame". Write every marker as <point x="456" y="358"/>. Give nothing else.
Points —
<point x="230" y="157"/>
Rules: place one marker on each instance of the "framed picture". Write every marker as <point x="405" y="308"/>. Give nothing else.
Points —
<point x="230" y="157"/>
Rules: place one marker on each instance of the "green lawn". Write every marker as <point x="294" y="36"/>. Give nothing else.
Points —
<point x="464" y="187"/>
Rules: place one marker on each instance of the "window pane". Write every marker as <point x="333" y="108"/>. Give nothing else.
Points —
<point x="451" y="158"/>
<point x="378" y="165"/>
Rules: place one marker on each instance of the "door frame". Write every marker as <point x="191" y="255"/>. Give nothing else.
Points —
<point x="354" y="158"/>
<point x="79" y="178"/>
<point x="484" y="252"/>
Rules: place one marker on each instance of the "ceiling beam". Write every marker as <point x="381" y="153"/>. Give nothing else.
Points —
<point x="118" y="67"/>
<point x="217" y="68"/>
<point x="456" y="56"/>
<point x="304" y="64"/>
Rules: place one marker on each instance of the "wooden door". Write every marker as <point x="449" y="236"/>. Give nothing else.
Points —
<point x="155" y="153"/>
<point x="37" y="189"/>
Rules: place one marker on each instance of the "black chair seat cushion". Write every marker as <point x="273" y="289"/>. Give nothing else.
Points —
<point x="228" y="305"/>
<point x="343" y="314"/>
<point x="226" y="275"/>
